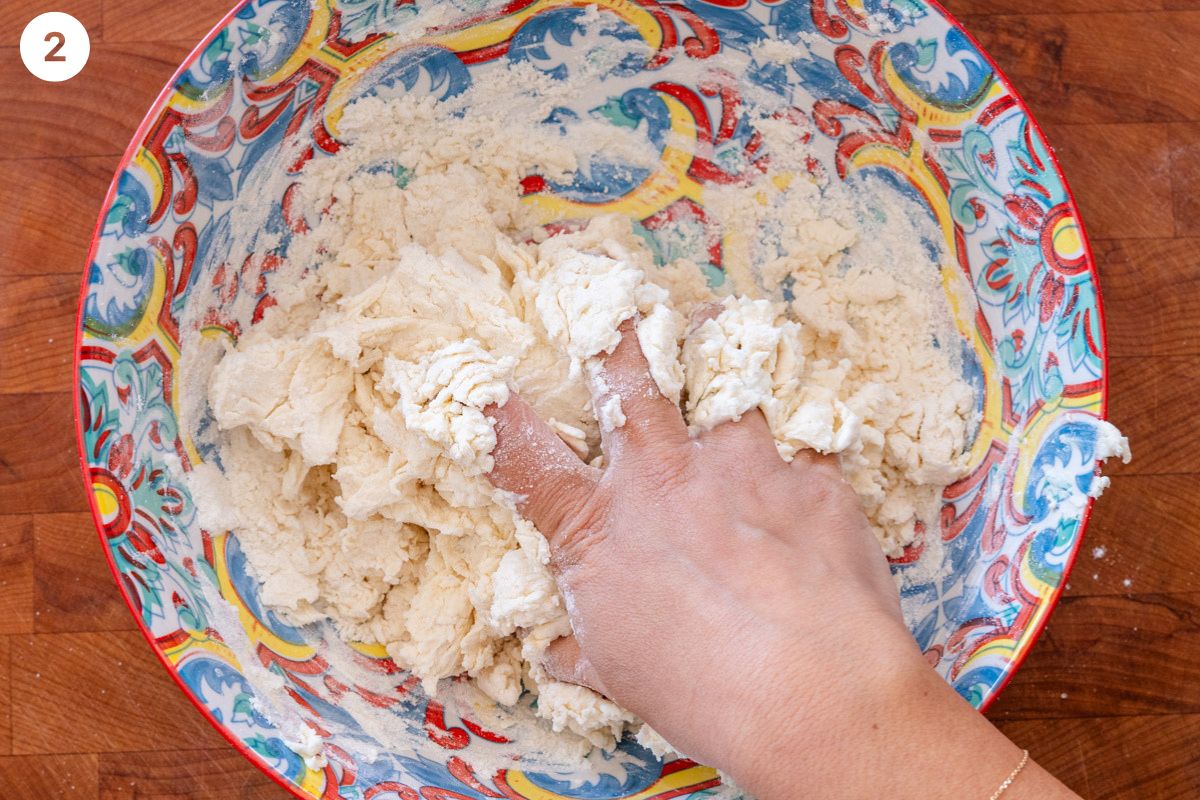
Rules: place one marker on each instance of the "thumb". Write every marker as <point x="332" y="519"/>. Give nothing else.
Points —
<point x="531" y="461"/>
<point x="565" y="662"/>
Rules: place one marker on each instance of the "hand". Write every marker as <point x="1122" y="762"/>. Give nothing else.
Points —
<point x="740" y="604"/>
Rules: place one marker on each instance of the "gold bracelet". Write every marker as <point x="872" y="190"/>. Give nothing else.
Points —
<point x="1012" y="776"/>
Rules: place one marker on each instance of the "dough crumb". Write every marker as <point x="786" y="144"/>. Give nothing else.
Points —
<point x="352" y="420"/>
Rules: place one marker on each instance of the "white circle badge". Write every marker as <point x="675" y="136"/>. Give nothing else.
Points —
<point x="55" y="46"/>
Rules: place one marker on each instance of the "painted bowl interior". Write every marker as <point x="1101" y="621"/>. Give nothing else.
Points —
<point x="901" y="92"/>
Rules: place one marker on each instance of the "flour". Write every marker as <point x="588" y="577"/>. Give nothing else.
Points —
<point x="749" y="356"/>
<point x="354" y="442"/>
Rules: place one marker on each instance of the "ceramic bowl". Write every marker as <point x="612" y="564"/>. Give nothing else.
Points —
<point x="896" y="89"/>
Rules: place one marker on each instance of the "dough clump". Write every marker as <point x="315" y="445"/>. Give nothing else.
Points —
<point x="354" y="437"/>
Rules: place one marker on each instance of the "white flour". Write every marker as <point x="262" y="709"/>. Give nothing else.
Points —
<point x="353" y="440"/>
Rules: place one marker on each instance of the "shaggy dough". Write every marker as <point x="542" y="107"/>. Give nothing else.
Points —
<point x="357" y="447"/>
<point x="354" y="445"/>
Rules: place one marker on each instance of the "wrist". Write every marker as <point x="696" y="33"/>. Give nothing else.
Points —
<point x="881" y="724"/>
<point x="831" y="706"/>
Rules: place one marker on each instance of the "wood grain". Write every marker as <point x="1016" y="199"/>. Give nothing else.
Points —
<point x="39" y="119"/>
<point x="6" y="694"/>
<point x="1155" y="410"/>
<point x="1089" y="68"/>
<point x="1184" y="146"/>
<point x="1092" y="154"/>
<point x="134" y="21"/>
<point x="98" y="693"/>
<point x="1093" y="644"/>
<point x="32" y="213"/>
<point x="195" y="775"/>
<point x="1144" y="531"/>
<point x="13" y="17"/>
<point x="39" y="463"/>
<point x="37" y="346"/>
<point x="16" y="574"/>
<point x="1148" y="317"/>
<point x="1117" y="758"/>
<point x="73" y="588"/>
<point x="33" y="778"/>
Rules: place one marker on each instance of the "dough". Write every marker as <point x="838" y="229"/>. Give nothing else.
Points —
<point x="358" y="446"/>
<point x="354" y="442"/>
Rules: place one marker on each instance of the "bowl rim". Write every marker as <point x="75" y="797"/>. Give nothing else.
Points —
<point x="135" y="142"/>
<point x="1034" y="633"/>
<point x="1029" y="637"/>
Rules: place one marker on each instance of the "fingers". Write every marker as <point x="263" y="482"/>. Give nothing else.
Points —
<point x="753" y="425"/>
<point x="806" y="461"/>
<point x="566" y="662"/>
<point x="624" y="388"/>
<point x="750" y="437"/>
<point x="819" y="482"/>
<point x="533" y="462"/>
<point x="703" y="313"/>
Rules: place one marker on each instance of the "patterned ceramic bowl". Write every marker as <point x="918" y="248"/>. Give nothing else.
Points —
<point x="893" y="87"/>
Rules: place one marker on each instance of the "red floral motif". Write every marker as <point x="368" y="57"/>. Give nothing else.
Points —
<point x="154" y="145"/>
<point x="399" y="790"/>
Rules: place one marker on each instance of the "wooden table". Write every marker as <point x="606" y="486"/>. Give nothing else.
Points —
<point x="1109" y="699"/>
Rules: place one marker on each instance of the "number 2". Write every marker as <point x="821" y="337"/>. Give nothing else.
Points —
<point x="53" y="54"/>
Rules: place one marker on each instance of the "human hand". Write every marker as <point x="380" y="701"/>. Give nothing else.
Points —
<point x="737" y="603"/>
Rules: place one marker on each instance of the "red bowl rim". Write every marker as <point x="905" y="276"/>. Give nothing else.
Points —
<point x="1030" y="637"/>
<point x="135" y="142"/>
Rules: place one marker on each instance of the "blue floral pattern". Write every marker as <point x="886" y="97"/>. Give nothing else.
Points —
<point x="892" y="88"/>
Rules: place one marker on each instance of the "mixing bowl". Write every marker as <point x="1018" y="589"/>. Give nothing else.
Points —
<point x="895" y="89"/>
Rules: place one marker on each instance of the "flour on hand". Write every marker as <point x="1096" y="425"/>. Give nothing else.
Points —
<point x="354" y="437"/>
